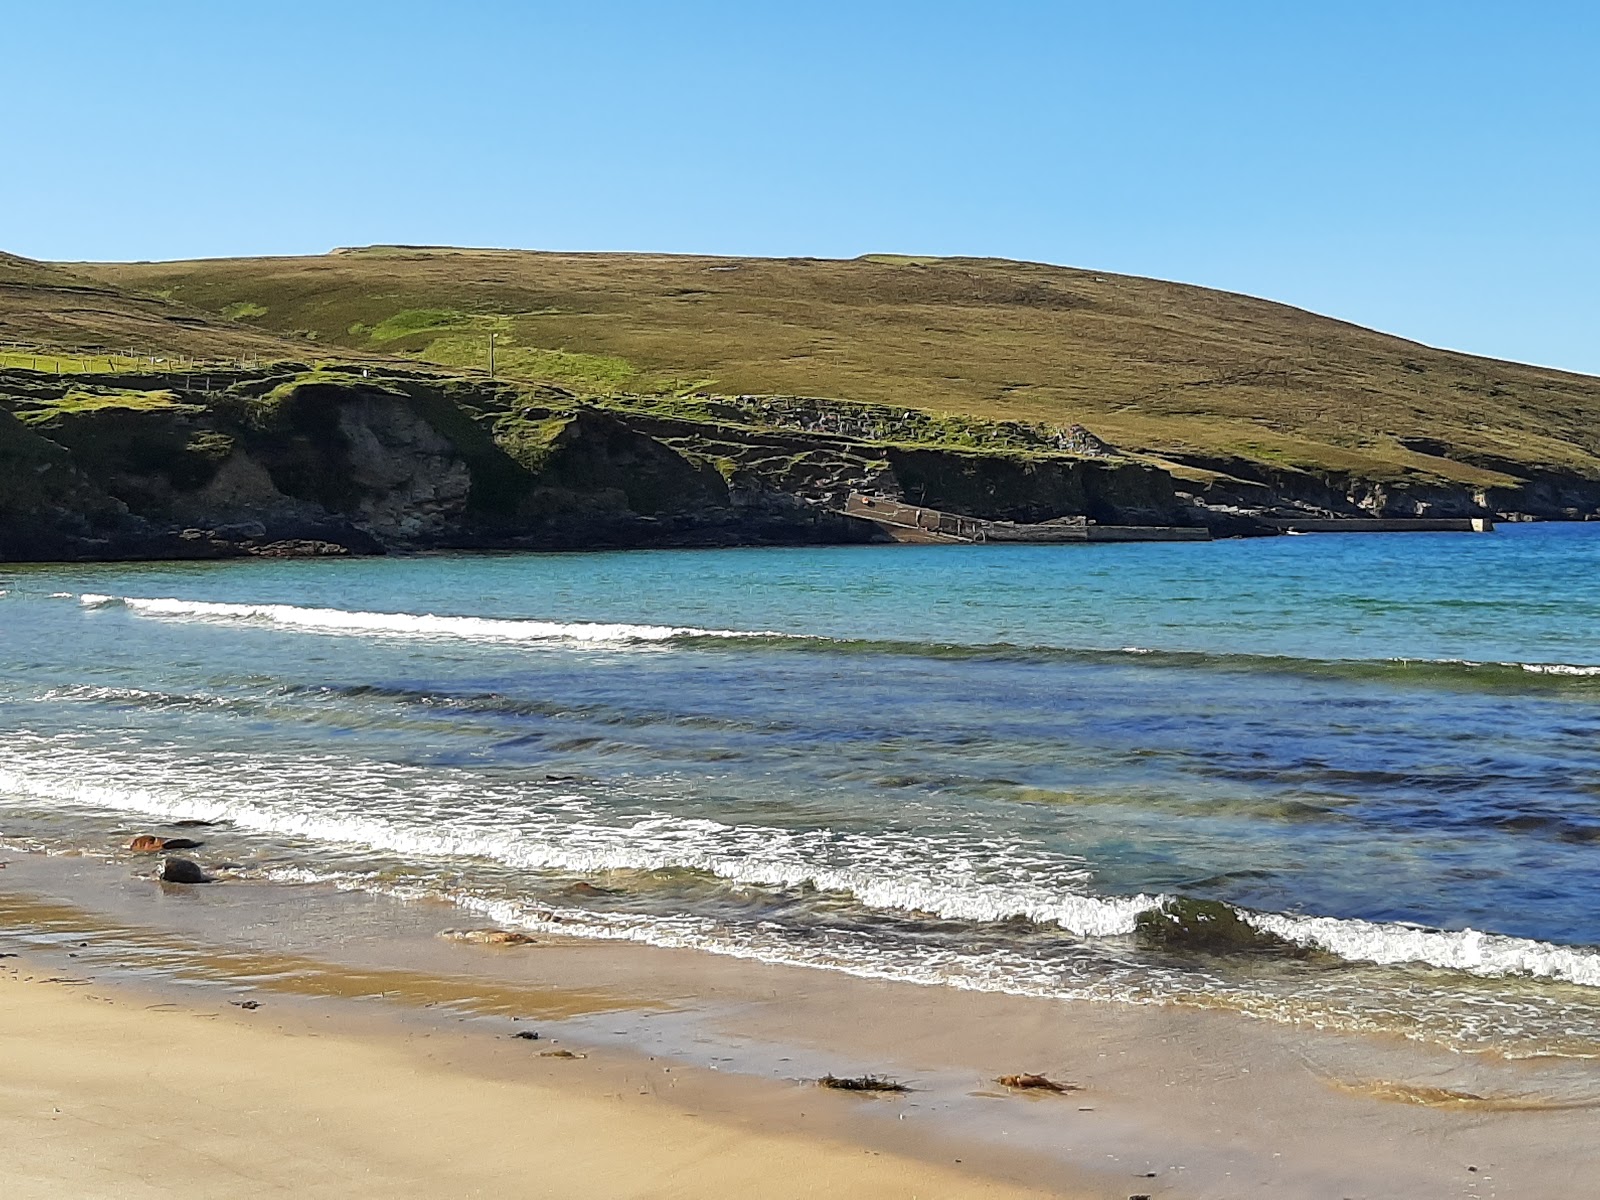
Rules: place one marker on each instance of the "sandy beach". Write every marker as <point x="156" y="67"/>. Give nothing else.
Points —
<point x="388" y="1063"/>
<point x="113" y="1094"/>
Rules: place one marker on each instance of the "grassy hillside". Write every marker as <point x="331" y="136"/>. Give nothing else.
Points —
<point x="52" y="315"/>
<point x="1157" y="368"/>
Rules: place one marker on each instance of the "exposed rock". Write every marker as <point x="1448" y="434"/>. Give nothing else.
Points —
<point x="584" y="888"/>
<point x="182" y="870"/>
<point x="290" y="462"/>
<point x="299" y="548"/>
<point x="413" y="484"/>
<point x="1209" y="927"/>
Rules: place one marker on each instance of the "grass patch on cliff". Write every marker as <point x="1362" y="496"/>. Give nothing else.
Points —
<point x="75" y="402"/>
<point x="530" y="438"/>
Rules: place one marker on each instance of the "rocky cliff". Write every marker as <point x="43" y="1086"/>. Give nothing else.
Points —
<point x="289" y="460"/>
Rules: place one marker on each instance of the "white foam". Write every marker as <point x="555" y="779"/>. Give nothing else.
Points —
<point x="1468" y="950"/>
<point x="429" y="814"/>
<point x="1534" y="668"/>
<point x="411" y="625"/>
<point x="931" y="875"/>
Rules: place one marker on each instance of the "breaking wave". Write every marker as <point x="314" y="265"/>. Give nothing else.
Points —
<point x="941" y="876"/>
<point x="1444" y="672"/>
<point x="409" y="625"/>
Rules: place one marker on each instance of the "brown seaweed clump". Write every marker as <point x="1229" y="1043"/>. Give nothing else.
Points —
<point x="149" y="844"/>
<point x="862" y="1083"/>
<point x="489" y="937"/>
<point x="1028" y="1082"/>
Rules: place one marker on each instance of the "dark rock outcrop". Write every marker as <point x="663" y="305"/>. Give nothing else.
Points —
<point x="1208" y="927"/>
<point x="292" y="462"/>
<point x="182" y="870"/>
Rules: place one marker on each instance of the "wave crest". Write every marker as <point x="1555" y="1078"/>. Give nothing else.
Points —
<point x="411" y="625"/>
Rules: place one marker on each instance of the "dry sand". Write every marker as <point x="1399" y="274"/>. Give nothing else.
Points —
<point x="103" y="1094"/>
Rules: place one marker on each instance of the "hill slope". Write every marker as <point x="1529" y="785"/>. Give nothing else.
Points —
<point x="47" y="307"/>
<point x="1199" y="379"/>
<point x="653" y="400"/>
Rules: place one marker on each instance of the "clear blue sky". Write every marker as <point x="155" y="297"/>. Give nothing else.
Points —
<point x="1425" y="168"/>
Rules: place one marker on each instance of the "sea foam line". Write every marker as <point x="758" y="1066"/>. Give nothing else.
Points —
<point x="533" y="630"/>
<point x="1469" y="950"/>
<point x="410" y="625"/>
<point x="569" y="839"/>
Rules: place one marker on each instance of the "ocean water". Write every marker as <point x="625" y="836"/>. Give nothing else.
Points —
<point x="962" y="766"/>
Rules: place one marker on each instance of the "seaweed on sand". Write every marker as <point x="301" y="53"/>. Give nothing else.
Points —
<point x="1029" y="1082"/>
<point x="862" y="1083"/>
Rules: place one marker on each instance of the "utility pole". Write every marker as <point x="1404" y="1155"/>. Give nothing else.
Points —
<point x="491" y="356"/>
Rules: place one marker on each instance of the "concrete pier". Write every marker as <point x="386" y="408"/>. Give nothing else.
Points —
<point x="915" y="523"/>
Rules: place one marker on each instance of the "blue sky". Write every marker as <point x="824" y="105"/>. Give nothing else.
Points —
<point x="1425" y="168"/>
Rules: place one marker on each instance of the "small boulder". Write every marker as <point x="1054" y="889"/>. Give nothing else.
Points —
<point x="581" y="888"/>
<point x="1209" y="927"/>
<point x="182" y="870"/>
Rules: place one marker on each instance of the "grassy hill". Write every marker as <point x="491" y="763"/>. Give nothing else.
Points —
<point x="1184" y="375"/>
<point x="50" y="314"/>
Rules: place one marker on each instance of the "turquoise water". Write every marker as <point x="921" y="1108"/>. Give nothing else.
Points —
<point x="969" y="766"/>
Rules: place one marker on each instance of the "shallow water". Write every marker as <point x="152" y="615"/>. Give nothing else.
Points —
<point x="962" y="765"/>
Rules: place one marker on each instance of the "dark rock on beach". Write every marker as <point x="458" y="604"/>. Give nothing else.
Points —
<point x="182" y="870"/>
<point x="1207" y="927"/>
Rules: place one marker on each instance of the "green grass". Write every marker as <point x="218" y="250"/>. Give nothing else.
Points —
<point x="244" y="310"/>
<point x="1158" y="369"/>
<point x="69" y="364"/>
<point x="84" y="402"/>
<point x="530" y="441"/>
<point x="49" y="310"/>
<point x="412" y="321"/>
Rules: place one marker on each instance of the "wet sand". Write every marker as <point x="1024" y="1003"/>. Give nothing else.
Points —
<point x="382" y="1060"/>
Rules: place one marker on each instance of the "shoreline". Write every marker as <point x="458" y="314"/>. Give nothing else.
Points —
<point x="1198" y="1097"/>
<point x="184" y="546"/>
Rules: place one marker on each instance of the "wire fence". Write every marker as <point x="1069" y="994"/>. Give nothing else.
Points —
<point x="21" y="356"/>
<point x="123" y="361"/>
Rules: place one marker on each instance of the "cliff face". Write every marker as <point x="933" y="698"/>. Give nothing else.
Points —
<point x="1504" y="490"/>
<point x="328" y="463"/>
<point x="292" y="461"/>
